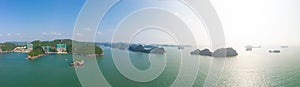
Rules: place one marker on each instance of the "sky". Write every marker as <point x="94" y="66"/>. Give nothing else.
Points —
<point x="271" y="22"/>
<point x="257" y="22"/>
<point x="27" y="20"/>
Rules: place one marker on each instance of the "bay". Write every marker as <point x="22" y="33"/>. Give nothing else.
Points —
<point x="256" y="68"/>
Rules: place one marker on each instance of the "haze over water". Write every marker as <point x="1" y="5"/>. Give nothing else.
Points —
<point x="256" y="68"/>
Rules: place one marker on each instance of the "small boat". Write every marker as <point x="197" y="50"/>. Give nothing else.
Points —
<point x="274" y="51"/>
<point x="284" y="46"/>
<point x="77" y="63"/>
<point x="248" y="49"/>
<point x="122" y="48"/>
<point x="180" y="47"/>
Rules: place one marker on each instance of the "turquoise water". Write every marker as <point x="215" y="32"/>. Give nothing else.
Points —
<point x="253" y="69"/>
<point x="48" y="71"/>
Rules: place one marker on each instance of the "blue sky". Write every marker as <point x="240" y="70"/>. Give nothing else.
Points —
<point x="27" y="20"/>
<point x="55" y="19"/>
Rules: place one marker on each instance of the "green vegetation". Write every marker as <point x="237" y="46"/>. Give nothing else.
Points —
<point x="7" y="46"/>
<point x="80" y="48"/>
<point x="53" y="49"/>
<point x="52" y="44"/>
<point x="36" y="51"/>
<point x="98" y="50"/>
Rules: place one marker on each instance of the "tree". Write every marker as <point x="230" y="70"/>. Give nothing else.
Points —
<point x="36" y="51"/>
<point x="8" y="46"/>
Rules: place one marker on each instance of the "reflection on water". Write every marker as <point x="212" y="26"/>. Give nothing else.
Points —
<point x="256" y="68"/>
<point x="262" y="69"/>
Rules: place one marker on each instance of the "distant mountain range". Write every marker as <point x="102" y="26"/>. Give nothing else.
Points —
<point x="19" y="43"/>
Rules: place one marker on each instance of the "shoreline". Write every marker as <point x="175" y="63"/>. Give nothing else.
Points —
<point x="4" y="52"/>
<point x="35" y="57"/>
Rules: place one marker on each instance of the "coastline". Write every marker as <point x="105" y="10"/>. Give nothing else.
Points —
<point x="41" y="55"/>
<point x="35" y="57"/>
<point x="89" y="55"/>
<point x="3" y="52"/>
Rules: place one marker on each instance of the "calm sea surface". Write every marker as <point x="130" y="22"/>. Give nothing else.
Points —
<point x="256" y="68"/>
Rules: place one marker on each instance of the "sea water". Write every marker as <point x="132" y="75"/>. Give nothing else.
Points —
<point x="255" y="68"/>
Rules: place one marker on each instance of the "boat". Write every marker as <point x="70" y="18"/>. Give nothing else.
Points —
<point x="122" y="48"/>
<point x="180" y="47"/>
<point x="274" y="51"/>
<point x="256" y="47"/>
<point x="248" y="49"/>
<point x="77" y="63"/>
<point x="284" y="46"/>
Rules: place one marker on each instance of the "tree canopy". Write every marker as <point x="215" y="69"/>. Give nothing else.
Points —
<point x="36" y="51"/>
<point x="8" y="46"/>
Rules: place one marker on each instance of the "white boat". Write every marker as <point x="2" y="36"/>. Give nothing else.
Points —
<point x="274" y="51"/>
<point x="77" y="63"/>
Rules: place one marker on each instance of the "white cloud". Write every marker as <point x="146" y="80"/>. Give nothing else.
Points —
<point x="99" y="33"/>
<point x="87" y="29"/>
<point x="8" y="34"/>
<point x="44" y="33"/>
<point x="78" y="34"/>
<point x="55" y="33"/>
